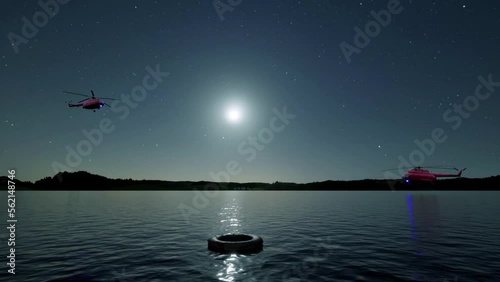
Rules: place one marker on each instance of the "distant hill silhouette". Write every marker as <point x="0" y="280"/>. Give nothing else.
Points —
<point x="83" y="180"/>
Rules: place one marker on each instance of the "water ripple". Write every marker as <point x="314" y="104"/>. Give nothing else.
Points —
<point x="316" y="236"/>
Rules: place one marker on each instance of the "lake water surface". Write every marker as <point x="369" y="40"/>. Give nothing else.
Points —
<point x="308" y="236"/>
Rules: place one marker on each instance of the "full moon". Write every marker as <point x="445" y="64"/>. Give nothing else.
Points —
<point x="233" y="115"/>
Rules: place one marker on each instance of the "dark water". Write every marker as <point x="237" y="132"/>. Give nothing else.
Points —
<point x="308" y="236"/>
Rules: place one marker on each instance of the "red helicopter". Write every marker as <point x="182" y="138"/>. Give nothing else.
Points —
<point x="90" y="103"/>
<point x="420" y="175"/>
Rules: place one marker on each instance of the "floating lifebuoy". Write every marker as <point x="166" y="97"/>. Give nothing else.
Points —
<point x="239" y="243"/>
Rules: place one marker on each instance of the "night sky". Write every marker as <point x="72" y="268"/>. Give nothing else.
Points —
<point x="263" y="90"/>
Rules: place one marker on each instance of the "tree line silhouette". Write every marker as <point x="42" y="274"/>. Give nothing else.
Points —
<point x="82" y="180"/>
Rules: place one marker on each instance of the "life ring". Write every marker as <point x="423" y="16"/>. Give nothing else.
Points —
<point x="239" y="243"/>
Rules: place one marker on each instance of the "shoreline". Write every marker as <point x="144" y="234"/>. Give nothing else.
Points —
<point x="84" y="181"/>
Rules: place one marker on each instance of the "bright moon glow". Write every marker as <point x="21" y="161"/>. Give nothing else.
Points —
<point x="233" y="115"/>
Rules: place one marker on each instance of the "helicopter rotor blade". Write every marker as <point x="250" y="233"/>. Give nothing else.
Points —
<point x="107" y="98"/>
<point x="107" y="105"/>
<point x="74" y="93"/>
<point x="394" y="169"/>
<point x="92" y="91"/>
<point x="83" y="100"/>
<point x="441" y="167"/>
<point x="449" y="166"/>
<point x="421" y="167"/>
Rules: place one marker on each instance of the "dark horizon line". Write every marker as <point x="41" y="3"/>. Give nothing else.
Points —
<point x="251" y="182"/>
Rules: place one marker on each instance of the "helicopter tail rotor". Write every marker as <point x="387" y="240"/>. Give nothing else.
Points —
<point x="460" y="172"/>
